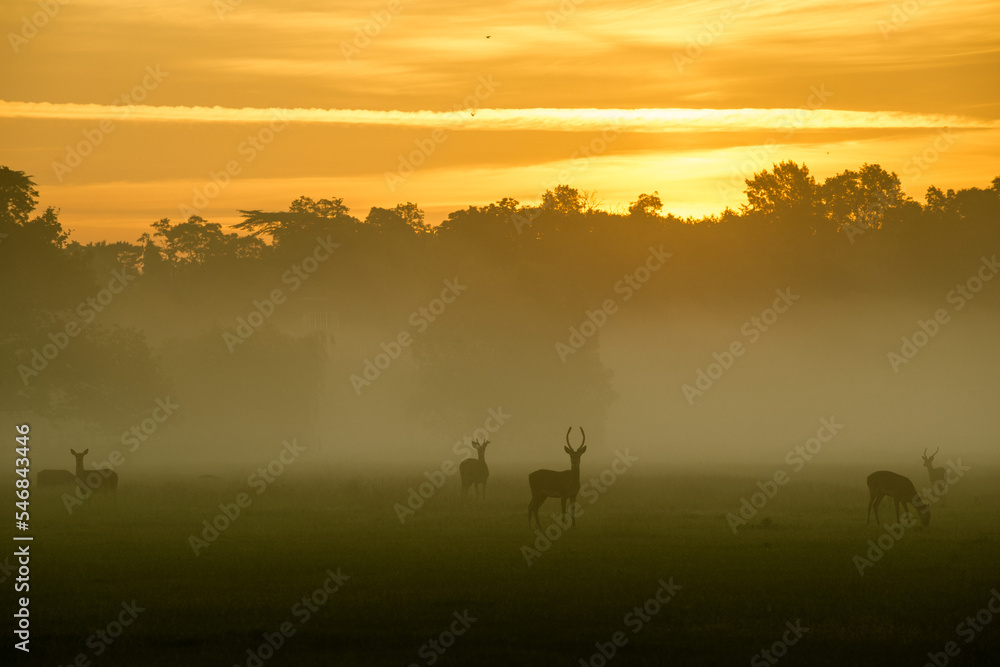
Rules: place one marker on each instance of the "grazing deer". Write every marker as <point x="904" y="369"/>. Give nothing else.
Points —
<point x="103" y="480"/>
<point x="55" y="478"/>
<point x="936" y="474"/>
<point x="474" y="472"/>
<point x="884" y="483"/>
<point x="564" y="484"/>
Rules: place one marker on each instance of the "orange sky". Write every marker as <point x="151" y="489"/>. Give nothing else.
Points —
<point x="687" y="98"/>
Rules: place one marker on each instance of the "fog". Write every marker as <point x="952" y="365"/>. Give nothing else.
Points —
<point x="380" y="341"/>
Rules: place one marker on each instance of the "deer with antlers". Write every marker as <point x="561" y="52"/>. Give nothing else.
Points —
<point x="936" y="474"/>
<point x="884" y="483"/>
<point x="475" y="472"/>
<point x="563" y="484"/>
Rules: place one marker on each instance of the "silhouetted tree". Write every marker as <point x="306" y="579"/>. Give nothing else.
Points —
<point x="646" y="205"/>
<point x="563" y="199"/>
<point x="304" y="221"/>
<point x="405" y="219"/>
<point x="18" y="198"/>
<point x="786" y="197"/>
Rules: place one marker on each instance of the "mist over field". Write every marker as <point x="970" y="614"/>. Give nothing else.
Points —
<point x="385" y="341"/>
<point x="552" y="333"/>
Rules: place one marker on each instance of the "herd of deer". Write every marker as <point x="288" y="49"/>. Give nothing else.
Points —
<point x="561" y="484"/>
<point x="565" y="484"/>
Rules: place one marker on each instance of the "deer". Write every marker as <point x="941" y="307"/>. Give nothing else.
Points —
<point x="564" y="484"/>
<point x="884" y="483"/>
<point x="474" y="472"/>
<point x="102" y="480"/>
<point x="936" y="474"/>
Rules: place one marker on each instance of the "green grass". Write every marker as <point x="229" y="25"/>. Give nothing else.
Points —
<point x="793" y="562"/>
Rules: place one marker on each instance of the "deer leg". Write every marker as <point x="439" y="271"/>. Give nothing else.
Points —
<point x="533" y="506"/>
<point x="572" y="510"/>
<point x="871" y="503"/>
<point x="878" y="501"/>
<point x="563" y="515"/>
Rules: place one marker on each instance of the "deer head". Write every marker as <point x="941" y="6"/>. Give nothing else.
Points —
<point x="480" y="447"/>
<point x="574" y="455"/>
<point x="929" y="460"/>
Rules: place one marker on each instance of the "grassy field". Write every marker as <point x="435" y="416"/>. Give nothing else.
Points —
<point x="793" y="563"/>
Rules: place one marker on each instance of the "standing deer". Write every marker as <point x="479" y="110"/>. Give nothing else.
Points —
<point x="474" y="472"/>
<point x="936" y="474"/>
<point x="103" y="480"/>
<point x="564" y="484"/>
<point x="884" y="483"/>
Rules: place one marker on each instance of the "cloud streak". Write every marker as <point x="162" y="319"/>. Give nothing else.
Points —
<point x="546" y="119"/>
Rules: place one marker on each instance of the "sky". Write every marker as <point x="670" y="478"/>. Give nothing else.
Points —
<point x="125" y="115"/>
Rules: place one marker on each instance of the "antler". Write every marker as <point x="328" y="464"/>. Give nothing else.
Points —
<point x="568" y="431"/>
<point x="935" y="452"/>
<point x="925" y="452"/>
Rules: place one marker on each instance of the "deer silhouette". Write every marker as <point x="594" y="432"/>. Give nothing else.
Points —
<point x="884" y="483"/>
<point x="102" y="480"/>
<point x="563" y="484"/>
<point x="475" y="472"/>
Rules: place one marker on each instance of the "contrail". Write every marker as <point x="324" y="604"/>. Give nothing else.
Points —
<point x="553" y="120"/>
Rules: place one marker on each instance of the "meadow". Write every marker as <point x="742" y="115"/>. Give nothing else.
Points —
<point x="452" y="584"/>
